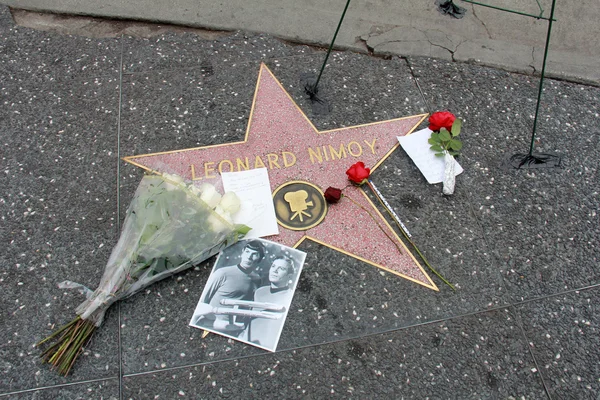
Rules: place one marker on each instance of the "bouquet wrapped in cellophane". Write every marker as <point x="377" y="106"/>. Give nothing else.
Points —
<point x="169" y="227"/>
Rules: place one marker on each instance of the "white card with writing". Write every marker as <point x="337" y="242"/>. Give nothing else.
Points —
<point x="257" y="210"/>
<point x="417" y="148"/>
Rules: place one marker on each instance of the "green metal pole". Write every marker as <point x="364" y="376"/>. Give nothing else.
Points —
<point x="537" y="108"/>
<point x="314" y="88"/>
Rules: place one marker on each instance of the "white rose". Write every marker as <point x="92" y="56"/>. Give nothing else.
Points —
<point x="194" y="189"/>
<point x="224" y="214"/>
<point x="174" y="178"/>
<point x="220" y="224"/>
<point x="230" y="203"/>
<point x="210" y="195"/>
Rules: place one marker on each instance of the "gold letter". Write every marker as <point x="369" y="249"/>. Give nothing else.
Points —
<point x="335" y="153"/>
<point x="285" y="161"/>
<point x="272" y="157"/>
<point x="317" y="155"/>
<point x="208" y="169"/>
<point x="371" y="145"/>
<point x="240" y="164"/>
<point x="194" y="178"/>
<point x="221" y="166"/>
<point x="325" y="154"/>
<point x="359" y="149"/>
<point x="258" y="163"/>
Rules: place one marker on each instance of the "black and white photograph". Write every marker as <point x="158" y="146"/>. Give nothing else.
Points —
<point x="249" y="292"/>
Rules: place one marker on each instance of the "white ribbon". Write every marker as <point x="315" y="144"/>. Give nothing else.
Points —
<point x="449" y="175"/>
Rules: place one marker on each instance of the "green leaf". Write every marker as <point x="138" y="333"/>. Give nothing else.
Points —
<point x="456" y="126"/>
<point x="242" y="229"/>
<point x="159" y="265"/>
<point x="436" y="147"/>
<point x="455" y="144"/>
<point x="439" y="154"/>
<point x="435" y="137"/>
<point x="433" y="141"/>
<point x="444" y="135"/>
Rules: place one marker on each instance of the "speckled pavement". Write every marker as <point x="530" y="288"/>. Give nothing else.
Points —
<point x="520" y="246"/>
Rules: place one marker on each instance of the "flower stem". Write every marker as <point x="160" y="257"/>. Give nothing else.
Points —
<point x="377" y="222"/>
<point x="407" y="237"/>
<point x="69" y="345"/>
<point x="57" y="332"/>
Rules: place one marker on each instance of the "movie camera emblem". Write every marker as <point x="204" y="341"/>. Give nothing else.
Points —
<point x="299" y="205"/>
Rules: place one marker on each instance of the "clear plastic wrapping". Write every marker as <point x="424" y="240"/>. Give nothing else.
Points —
<point x="167" y="229"/>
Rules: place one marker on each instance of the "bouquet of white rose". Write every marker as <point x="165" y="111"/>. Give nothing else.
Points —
<point x="169" y="227"/>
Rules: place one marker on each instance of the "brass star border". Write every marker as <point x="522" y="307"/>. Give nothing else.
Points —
<point x="281" y="138"/>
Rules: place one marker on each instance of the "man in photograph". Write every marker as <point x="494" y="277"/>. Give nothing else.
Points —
<point x="236" y="282"/>
<point x="262" y="331"/>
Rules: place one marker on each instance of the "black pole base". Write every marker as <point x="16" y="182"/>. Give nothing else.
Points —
<point x="312" y="91"/>
<point x="308" y="81"/>
<point x="535" y="161"/>
<point x="319" y="105"/>
<point x="447" y="7"/>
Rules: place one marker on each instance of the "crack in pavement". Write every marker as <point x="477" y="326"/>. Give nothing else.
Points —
<point x="426" y="38"/>
<point x="415" y="78"/>
<point x="442" y="47"/>
<point x="374" y="31"/>
<point x="480" y="20"/>
<point x="532" y="65"/>
<point x="425" y="33"/>
<point x="456" y="48"/>
<point x="361" y="40"/>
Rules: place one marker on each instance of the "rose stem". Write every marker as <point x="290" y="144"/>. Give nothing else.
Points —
<point x="373" y="217"/>
<point x="410" y="240"/>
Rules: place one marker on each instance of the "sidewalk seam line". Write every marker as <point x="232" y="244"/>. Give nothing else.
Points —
<point x="57" y="386"/>
<point x="118" y="205"/>
<point x="389" y="331"/>
<point x="530" y="350"/>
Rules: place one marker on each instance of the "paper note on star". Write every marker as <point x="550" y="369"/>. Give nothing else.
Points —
<point x="254" y="190"/>
<point x="417" y="148"/>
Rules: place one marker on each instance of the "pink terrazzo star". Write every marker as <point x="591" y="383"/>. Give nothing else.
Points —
<point x="280" y="137"/>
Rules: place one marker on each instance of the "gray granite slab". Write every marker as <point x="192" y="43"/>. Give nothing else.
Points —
<point x="175" y="51"/>
<point x="356" y="89"/>
<point x="179" y="109"/>
<point x="26" y="53"/>
<point x="170" y="110"/>
<point x="564" y="337"/>
<point x="480" y="356"/>
<point x="106" y="390"/>
<point x="542" y="223"/>
<point x="338" y="297"/>
<point x="58" y="212"/>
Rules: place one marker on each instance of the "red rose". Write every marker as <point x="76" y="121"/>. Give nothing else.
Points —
<point x="441" y="119"/>
<point x="333" y="195"/>
<point x="357" y="173"/>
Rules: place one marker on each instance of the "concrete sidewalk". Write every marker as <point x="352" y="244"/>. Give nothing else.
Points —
<point x="521" y="247"/>
<point x="484" y="36"/>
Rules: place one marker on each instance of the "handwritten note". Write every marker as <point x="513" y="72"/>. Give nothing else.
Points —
<point x="257" y="210"/>
<point x="417" y="148"/>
